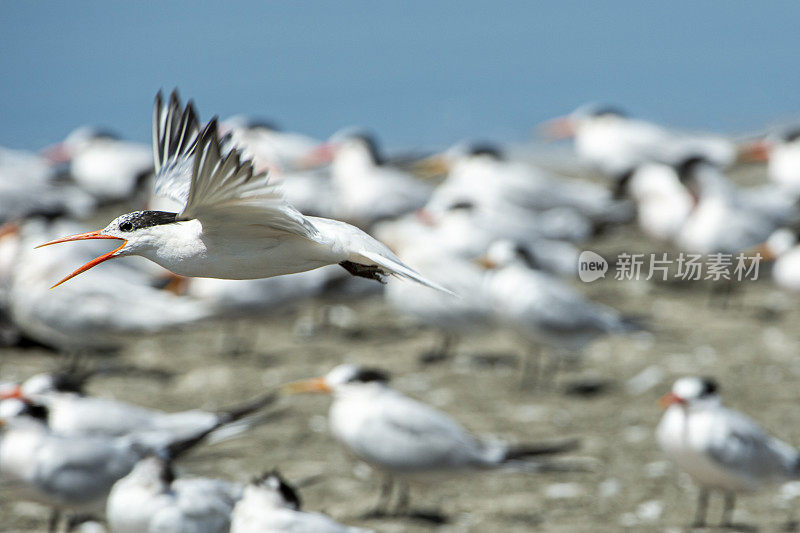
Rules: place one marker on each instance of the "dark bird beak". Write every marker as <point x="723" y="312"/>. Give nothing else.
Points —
<point x="94" y="262"/>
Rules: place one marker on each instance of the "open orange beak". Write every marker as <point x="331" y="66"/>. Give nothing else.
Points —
<point x="306" y="385"/>
<point x="93" y="262"/>
<point x="558" y="128"/>
<point x="670" y="398"/>
<point x="13" y="392"/>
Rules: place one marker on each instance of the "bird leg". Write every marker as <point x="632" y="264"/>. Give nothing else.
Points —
<point x="531" y="366"/>
<point x="702" y="507"/>
<point x="441" y="352"/>
<point x="381" y="508"/>
<point x="76" y="520"/>
<point x="403" y="500"/>
<point x="727" y="512"/>
<point x="55" y="518"/>
<point x="364" y="271"/>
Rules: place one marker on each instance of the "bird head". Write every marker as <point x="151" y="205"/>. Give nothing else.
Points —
<point x="566" y="126"/>
<point x="272" y="488"/>
<point x="691" y="392"/>
<point x="504" y="253"/>
<point x="342" y="378"/>
<point x="138" y="231"/>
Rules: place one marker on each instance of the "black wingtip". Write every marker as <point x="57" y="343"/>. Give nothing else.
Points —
<point x="175" y="98"/>
<point x="240" y="411"/>
<point x="544" y="448"/>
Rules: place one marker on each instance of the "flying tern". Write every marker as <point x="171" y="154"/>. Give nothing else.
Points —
<point x="234" y="224"/>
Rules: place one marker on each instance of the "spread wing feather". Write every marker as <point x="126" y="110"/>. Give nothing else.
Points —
<point x="225" y="190"/>
<point x="175" y="134"/>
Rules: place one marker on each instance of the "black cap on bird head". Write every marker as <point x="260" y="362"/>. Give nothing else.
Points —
<point x="274" y="481"/>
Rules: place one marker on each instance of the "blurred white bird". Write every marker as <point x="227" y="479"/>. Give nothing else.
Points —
<point x="151" y="500"/>
<point x="781" y="151"/>
<point x="73" y="473"/>
<point x="467" y="229"/>
<point x="721" y="449"/>
<point x="450" y="317"/>
<point x="543" y="309"/>
<point x="367" y="189"/>
<point x="662" y="202"/>
<point x="102" y="164"/>
<point x="725" y="218"/>
<point x="234" y="224"/>
<point x="73" y="413"/>
<point x="407" y="439"/>
<point x="268" y="146"/>
<point x="783" y="249"/>
<point x="269" y="504"/>
<point x="607" y="139"/>
<point x="98" y="312"/>
<point x="31" y="186"/>
<point x="484" y="176"/>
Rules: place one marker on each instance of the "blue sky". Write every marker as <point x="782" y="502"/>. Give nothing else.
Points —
<point x="417" y="73"/>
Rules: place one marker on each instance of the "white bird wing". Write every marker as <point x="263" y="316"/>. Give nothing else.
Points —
<point x="175" y="134"/>
<point x="226" y="195"/>
<point x="745" y="447"/>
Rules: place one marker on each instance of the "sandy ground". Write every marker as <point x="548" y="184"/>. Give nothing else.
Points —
<point x="749" y="343"/>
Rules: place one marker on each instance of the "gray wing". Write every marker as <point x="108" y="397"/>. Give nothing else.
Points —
<point x="415" y="437"/>
<point x="745" y="447"/>
<point x="175" y="134"/>
<point x="81" y="470"/>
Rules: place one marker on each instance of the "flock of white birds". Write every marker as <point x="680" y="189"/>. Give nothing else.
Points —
<point x="238" y="219"/>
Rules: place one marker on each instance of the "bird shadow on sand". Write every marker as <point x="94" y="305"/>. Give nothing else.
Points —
<point x="429" y="516"/>
<point x="735" y="526"/>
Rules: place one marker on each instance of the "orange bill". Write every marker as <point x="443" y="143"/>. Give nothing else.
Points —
<point x="94" y="262"/>
<point x="13" y="392"/>
<point x="668" y="399"/>
<point x="559" y="128"/>
<point x="306" y="385"/>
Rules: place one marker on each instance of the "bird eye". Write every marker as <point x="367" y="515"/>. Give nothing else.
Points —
<point x="126" y="226"/>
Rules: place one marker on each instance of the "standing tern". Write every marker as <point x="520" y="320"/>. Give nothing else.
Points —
<point x="721" y="449"/>
<point x="72" y="413"/>
<point x="234" y="224"/>
<point x="97" y="312"/>
<point x="267" y="144"/>
<point x="269" y="504"/>
<point x="150" y="500"/>
<point x="368" y="189"/>
<point x="407" y="439"/>
<point x="725" y="218"/>
<point x="542" y="308"/>
<point x="782" y="247"/>
<point x="608" y="139"/>
<point x="102" y="164"/>
<point x="74" y="473"/>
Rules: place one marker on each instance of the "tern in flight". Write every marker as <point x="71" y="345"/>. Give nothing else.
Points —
<point x="233" y="223"/>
